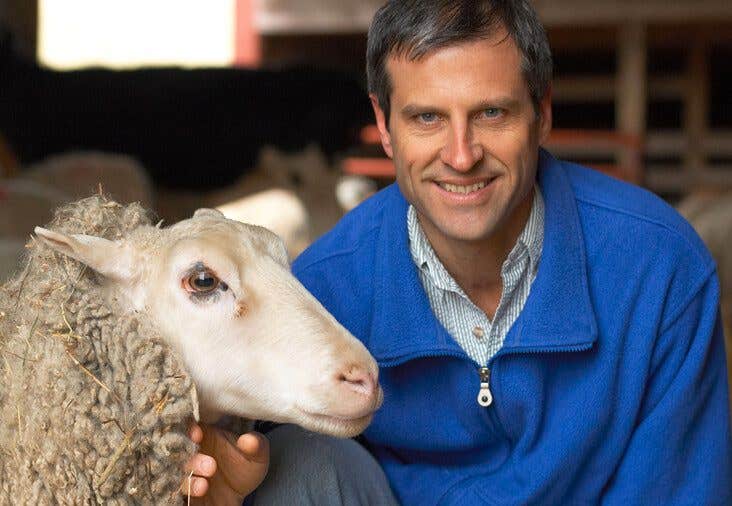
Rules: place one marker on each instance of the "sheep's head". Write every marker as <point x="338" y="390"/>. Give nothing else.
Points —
<point x="255" y="342"/>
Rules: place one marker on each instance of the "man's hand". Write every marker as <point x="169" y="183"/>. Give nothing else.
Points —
<point x="227" y="469"/>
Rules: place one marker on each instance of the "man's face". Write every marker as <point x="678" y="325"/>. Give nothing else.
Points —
<point x="464" y="136"/>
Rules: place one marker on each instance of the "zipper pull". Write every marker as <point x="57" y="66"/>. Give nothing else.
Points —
<point x="485" y="398"/>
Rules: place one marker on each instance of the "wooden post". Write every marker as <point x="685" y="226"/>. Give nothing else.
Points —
<point x="21" y="17"/>
<point x="8" y="160"/>
<point x="631" y="90"/>
<point x="696" y="108"/>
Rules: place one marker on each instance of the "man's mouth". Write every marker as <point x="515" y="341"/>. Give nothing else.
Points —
<point x="463" y="189"/>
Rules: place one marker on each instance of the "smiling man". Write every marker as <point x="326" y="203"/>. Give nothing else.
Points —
<point x="464" y="134"/>
<point x="545" y="334"/>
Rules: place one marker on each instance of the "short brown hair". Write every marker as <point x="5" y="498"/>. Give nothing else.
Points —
<point x="414" y="28"/>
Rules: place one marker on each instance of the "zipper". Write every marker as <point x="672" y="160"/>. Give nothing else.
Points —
<point x="485" y="397"/>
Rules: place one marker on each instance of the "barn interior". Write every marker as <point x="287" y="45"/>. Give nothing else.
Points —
<point x="88" y="103"/>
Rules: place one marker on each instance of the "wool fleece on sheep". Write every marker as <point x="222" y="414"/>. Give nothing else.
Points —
<point x="115" y="328"/>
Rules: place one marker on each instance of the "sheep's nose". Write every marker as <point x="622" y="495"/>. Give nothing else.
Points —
<point x="359" y="380"/>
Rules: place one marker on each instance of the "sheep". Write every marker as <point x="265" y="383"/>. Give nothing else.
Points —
<point x="284" y="213"/>
<point x="710" y="213"/>
<point x="313" y="194"/>
<point x="11" y="250"/>
<point x="30" y="198"/>
<point x="77" y="173"/>
<point x="305" y="173"/>
<point x="24" y="204"/>
<point x="278" y="210"/>
<point x="352" y="190"/>
<point x="117" y="333"/>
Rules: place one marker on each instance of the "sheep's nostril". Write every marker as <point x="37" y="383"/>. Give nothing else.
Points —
<point x="359" y="380"/>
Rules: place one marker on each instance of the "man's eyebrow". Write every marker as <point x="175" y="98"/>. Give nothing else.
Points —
<point x="509" y="103"/>
<point x="415" y="109"/>
<point x="499" y="102"/>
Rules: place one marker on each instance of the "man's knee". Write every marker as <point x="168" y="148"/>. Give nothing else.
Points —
<point x="308" y="468"/>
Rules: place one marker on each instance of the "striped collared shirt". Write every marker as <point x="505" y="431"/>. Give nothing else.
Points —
<point x="480" y="337"/>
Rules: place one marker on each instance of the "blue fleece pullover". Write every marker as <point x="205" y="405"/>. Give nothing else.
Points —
<point x="610" y="387"/>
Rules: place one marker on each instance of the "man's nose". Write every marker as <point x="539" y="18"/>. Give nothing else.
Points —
<point x="461" y="152"/>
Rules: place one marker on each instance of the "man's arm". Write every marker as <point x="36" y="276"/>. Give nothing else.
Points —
<point x="681" y="450"/>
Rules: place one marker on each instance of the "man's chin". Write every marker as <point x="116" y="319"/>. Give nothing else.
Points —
<point x="465" y="232"/>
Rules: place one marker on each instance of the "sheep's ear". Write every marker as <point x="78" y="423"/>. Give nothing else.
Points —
<point x="108" y="258"/>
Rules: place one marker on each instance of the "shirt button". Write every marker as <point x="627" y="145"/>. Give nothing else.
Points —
<point x="478" y="332"/>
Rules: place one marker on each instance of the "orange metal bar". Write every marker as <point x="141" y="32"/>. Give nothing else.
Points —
<point x="370" y="167"/>
<point x="570" y="138"/>
<point x="370" y="135"/>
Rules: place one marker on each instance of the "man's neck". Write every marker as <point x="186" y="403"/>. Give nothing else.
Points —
<point x="476" y="265"/>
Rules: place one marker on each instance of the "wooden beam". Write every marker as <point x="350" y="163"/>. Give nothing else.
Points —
<point x="631" y="82"/>
<point x="574" y="12"/>
<point x="710" y="31"/>
<point x="569" y="22"/>
<point x="696" y="105"/>
<point x="675" y="143"/>
<point x="661" y="34"/>
<point x="662" y="143"/>
<point x="585" y="36"/>
<point x="583" y="89"/>
<point x="303" y="17"/>
<point x="603" y="88"/>
<point x="352" y="17"/>
<point x="665" y="178"/>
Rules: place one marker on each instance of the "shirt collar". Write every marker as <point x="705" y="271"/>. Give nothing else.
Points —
<point x="424" y="255"/>
<point x="532" y="236"/>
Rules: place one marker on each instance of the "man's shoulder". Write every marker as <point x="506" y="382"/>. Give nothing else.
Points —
<point x="640" y="215"/>
<point x="339" y="268"/>
<point x="593" y="188"/>
<point x="354" y="234"/>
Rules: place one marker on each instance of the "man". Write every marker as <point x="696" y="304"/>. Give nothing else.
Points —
<point x="546" y="335"/>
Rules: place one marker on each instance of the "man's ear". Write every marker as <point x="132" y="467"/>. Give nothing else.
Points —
<point x="110" y="259"/>
<point x="381" y="124"/>
<point x="545" y="116"/>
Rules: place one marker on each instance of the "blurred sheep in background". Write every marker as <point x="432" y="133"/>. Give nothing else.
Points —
<point x="29" y="199"/>
<point x="281" y="211"/>
<point x="78" y="174"/>
<point x="710" y="213"/>
<point x="299" y="196"/>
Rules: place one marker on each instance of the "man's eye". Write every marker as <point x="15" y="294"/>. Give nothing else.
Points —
<point x="427" y="117"/>
<point x="491" y="112"/>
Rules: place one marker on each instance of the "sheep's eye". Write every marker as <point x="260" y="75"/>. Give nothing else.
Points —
<point x="203" y="281"/>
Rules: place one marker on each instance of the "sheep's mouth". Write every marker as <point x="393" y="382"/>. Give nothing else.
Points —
<point x="335" y="425"/>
